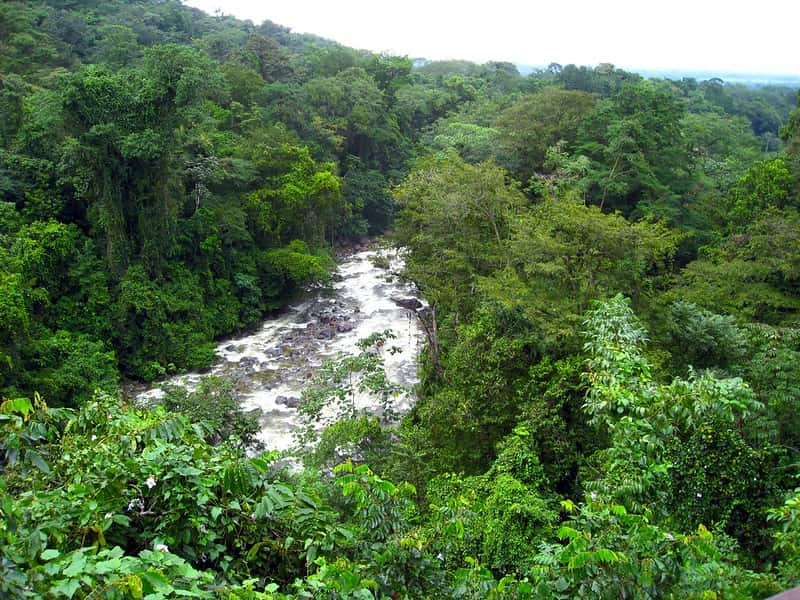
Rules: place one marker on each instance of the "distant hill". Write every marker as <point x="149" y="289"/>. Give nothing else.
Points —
<point x="749" y="79"/>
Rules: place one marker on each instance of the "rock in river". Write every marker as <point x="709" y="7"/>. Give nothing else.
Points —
<point x="409" y="303"/>
<point x="288" y="401"/>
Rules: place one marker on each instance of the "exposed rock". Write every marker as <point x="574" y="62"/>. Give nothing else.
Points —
<point x="409" y="303"/>
<point x="288" y="401"/>
<point x="344" y="327"/>
<point x="249" y="363"/>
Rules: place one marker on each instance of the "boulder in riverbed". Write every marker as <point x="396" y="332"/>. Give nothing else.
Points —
<point x="409" y="303"/>
<point x="288" y="401"/>
<point x="249" y="363"/>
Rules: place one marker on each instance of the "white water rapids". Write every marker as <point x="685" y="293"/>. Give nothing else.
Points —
<point x="271" y="366"/>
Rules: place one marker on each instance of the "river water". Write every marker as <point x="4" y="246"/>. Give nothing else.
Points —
<point x="271" y="366"/>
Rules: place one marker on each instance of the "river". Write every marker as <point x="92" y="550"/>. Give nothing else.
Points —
<point x="271" y="366"/>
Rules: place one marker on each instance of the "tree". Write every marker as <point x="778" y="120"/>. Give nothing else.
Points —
<point x="473" y="143"/>
<point x="117" y="46"/>
<point x="562" y="255"/>
<point x="367" y="191"/>
<point x="531" y="126"/>
<point x="124" y="126"/>
<point x="352" y="106"/>
<point x="752" y="275"/>
<point x="391" y="73"/>
<point x="638" y="156"/>
<point x="790" y="133"/>
<point x="271" y="60"/>
<point x="302" y="200"/>
<point x="665" y="437"/>
<point x="454" y="219"/>
<point x="767" y="184"/>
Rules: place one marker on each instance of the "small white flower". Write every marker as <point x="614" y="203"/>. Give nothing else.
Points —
<point x="699" y="495"/>
<point x="162" y="548"/>
<point x="150" y="483"/>
<point x="94" y="437"/>
<point x="108" y="515"/>
<point x="440" y="556"/>
<point x="135" y="503"/>
<point x="593" y="496"/>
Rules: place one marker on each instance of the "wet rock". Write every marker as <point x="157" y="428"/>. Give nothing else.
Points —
<point x="329" y="315"/>
<point x="409" y="303"/>
<point x="231" y="348"/>
<point x="288" y="401"/>
<point x="243" y="384"/>
<point x="249" y="363"/>
<point x="344" y="327"/>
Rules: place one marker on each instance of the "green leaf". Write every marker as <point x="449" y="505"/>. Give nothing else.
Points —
<point x="68" y="587"/>
<point x="19" y="405"/>
<point x="121" y="520"/>
<point x="568" y="533"/>
<point x="108" y="566"/>
<point x="253" y="552"/>
<point x="76" y="566"/>
<point x="188" y="471"/>
<point x="580" y="559"/>
<point x="37" y="461"/>
<point x="50" y="554"/>
<point x="525" y="587"/>
<point x="619" y="510"/>
<point x="606" y="555"/>
<point x="156" y="583"/>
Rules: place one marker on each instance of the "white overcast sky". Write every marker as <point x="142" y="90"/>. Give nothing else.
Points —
<point x="732" y="35"/>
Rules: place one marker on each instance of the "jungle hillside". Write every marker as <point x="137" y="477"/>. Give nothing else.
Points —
<point x="609" y="395"/>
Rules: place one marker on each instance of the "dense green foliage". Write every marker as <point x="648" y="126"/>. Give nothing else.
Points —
<point x="609" y="404"/>
<point x="177" y="174"/>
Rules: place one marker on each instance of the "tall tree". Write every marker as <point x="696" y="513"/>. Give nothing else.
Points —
<point x="539" y="121"/>
<point x="635" y="142"/>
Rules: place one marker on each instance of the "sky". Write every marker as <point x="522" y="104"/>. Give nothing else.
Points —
<point x="700" y="35"/>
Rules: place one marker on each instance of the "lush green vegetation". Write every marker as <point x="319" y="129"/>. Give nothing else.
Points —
<point x="609" y="405"/>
